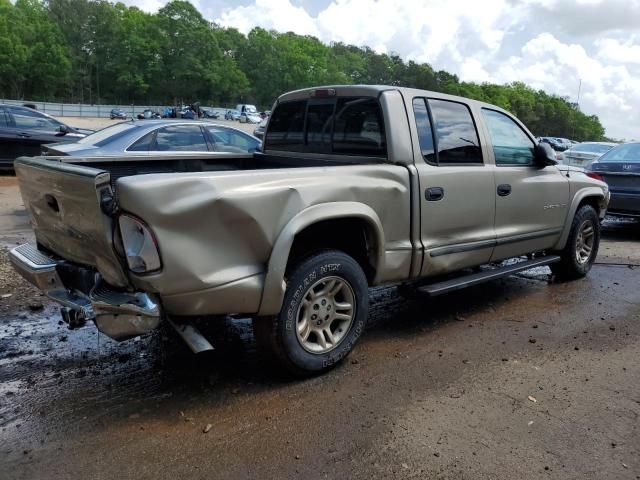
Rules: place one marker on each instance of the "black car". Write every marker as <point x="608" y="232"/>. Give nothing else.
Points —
<point x="555" y="143"/>
<point x="23" y="130"/>
<point x="620" y="168"/>
<point x="118" y="113"/>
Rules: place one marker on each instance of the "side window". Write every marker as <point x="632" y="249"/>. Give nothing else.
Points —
<point x="29" y="119"/>
<point x="457" y="139"/>
<point x="359" y="129"/>
<point x="180" y="138"/>
<point x="425" y="133"/>
<point x="286" y="127"/>
<point x="143" y="144"/>
<point x="226" y="140"/>
<point x="511" y="146"/>
<point x="3" y="120"/>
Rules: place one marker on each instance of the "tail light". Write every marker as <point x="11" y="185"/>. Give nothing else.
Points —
<point x="140" y="246"/>
<point x="595" y="176"/>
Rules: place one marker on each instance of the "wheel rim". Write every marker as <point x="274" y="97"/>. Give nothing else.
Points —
<point x="325" y="315"/>
<point x="584" y="242"/>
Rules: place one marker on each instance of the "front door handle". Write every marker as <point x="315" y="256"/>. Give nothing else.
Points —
<point x="24" y="135"/>
<point x="433" y="194"/>
<point x="504" y="189"/>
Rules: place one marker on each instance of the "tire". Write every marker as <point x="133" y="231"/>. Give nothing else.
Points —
<point x="319" y="288"/>
<point x="582" y="245"/>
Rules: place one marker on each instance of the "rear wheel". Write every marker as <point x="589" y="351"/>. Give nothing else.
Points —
<point x="323" y="314"/>
<point x="582" y="245"/>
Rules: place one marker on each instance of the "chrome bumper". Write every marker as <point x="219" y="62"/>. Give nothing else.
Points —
<point x="119" y="315"/>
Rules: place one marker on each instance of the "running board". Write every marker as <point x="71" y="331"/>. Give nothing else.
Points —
<point x="465" y="281"/>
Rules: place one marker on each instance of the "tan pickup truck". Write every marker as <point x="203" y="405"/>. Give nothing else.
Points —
<point x="355" y="186"/>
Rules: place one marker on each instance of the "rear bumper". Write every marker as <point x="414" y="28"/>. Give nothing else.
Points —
<point x="624" y="204"/>
<point x="118" y="314"/>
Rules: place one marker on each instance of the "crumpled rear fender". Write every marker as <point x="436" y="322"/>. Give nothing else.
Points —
<point x="274" y="285"/>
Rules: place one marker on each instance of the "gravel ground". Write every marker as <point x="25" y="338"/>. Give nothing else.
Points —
<point x="518" y="378"/>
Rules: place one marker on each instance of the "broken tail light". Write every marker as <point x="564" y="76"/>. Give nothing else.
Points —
<point x="140" y="246"/>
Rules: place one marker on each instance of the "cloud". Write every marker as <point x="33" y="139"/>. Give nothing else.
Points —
<point x="548" y="44"/>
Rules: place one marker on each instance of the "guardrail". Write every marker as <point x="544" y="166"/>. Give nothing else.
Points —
<point x="86" y="110"/>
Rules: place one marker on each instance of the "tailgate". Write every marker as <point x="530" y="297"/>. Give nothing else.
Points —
<point x="63" y="202"/>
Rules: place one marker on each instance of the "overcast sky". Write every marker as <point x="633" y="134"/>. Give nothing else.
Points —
<point x="548" y="44"/>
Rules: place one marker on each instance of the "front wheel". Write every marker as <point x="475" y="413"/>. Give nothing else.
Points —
<point x="323" y="314"/>
<point x="582" y="245"/>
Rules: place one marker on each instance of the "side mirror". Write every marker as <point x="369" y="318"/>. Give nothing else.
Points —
<point x="544" y="155"/>
<point x="63" y="129"/>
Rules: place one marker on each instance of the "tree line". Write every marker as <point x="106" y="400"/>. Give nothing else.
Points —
<point x="90" y="51"/>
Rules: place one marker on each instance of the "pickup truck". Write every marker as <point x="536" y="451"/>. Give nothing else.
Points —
<point x="356" y="186"/>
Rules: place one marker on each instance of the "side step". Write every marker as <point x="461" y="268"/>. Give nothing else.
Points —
<point x="464" y="281"/>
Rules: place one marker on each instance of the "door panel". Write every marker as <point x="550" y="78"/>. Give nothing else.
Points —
<point x="531" y="202"/>
<point x="532" y="216"/>
<point x="457" y="230"/>
<point x="457" y="204"/>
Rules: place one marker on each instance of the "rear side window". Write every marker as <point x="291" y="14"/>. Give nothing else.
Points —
<point x="286" y="127"/>
<point x="143" y="144"/>
<point x="346" y="126"/>
<point x="181" y="138"/>
<point x="456" y="137"/>
<point x="3" y="120"/>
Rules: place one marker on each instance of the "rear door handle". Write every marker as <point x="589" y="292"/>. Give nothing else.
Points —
<point x="24" y="135"/>
<point x="504" y="189"/>
<point x="433" y="194"/>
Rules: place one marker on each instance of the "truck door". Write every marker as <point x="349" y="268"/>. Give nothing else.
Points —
<point x="457" y="204"/>
<point x="531" y="202"/>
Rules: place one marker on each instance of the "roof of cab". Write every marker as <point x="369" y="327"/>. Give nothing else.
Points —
<point x="375" y="90"/>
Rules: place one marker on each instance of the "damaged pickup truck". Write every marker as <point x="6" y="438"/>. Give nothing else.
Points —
<point x="356" y="186"/>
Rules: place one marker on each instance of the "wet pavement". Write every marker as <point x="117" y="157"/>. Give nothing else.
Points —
<point x="517" y="378"/>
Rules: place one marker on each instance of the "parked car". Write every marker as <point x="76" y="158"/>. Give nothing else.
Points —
<point x="620" y="169"/>
<point x="582" y="154"/>
<point x="246" y="108"/>
<point x="232" y="115"/>
<point x="265" y="114"/>
<point x="118" y="113"/>
<point x="148" y="114"/>
<point x="249" y="118"/>
<point x="261" y="128"/>
<point x="159" y="138"/>
<point x="23" y="130"/>
<point x="210" y="113"/>
<point x="556" y="143"/>
<point x="294" y="236"/>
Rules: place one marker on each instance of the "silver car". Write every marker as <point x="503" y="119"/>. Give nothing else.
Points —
<point x="157" y="138"/>
<point x="583" y="154"/>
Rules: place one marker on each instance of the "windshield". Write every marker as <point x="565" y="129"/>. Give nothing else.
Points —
<point x="591" y="148"/>
<point x="107" y="133"/>
<point x="629" y="152"/>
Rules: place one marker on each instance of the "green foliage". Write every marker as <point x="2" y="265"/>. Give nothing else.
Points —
<point x="97" y="51"/>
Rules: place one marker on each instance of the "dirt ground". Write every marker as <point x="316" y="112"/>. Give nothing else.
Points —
<point x="98" y="123"/>
<point x="521" y="378"/>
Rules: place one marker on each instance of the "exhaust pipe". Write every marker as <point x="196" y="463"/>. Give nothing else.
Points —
<point x="192" y="336"/>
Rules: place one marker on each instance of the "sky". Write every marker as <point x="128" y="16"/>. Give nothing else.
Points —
<point x="555" y="45"/>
